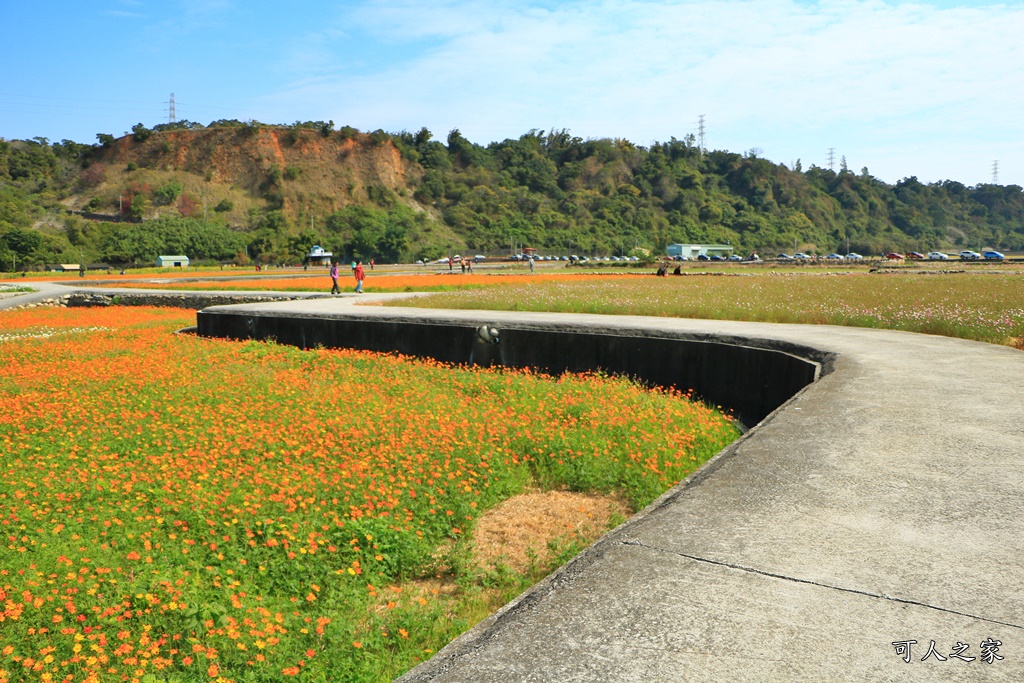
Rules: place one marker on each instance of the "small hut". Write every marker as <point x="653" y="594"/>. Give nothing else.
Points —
<point x="172" y="261"/>
<point x="317" y="256"/>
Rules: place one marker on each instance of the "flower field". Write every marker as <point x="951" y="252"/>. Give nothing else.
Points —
<point x="179" y="509"/>
<point x="982" y="306"/>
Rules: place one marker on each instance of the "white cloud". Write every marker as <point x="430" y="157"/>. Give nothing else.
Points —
<point x="791" y="78"/>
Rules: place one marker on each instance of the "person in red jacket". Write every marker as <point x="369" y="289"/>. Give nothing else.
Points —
<point x="358" y="272"/>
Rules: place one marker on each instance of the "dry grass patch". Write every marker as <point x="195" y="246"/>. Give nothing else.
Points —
<point x="522" y="530"/>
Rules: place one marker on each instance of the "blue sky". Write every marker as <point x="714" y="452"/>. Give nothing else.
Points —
<point x="931" y="89"/>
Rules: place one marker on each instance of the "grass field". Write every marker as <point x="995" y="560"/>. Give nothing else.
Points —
<point x="983" y="306"/>
<point x="180" y="509"/>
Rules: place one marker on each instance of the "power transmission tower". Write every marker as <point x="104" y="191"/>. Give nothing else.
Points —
<point x="700" y="133"/>
<point x="171" y="116"/>
<point x="831" y="158"/>
<point x="995" y="172"/>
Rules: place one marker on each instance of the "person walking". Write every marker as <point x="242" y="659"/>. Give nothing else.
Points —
<point x="334" y="278"/>
<point x="358" y="272"/>
<point x="531" y="264"/>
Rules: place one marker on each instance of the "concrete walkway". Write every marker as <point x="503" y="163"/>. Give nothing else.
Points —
<point x="882" y="504"/>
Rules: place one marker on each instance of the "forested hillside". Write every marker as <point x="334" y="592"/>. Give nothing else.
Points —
<point x="240" y="191"/>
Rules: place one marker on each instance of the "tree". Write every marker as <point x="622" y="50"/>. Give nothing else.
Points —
<point x="140" y="133"/>
<point x="168" y="193"/>
<point x="136" y="208"/>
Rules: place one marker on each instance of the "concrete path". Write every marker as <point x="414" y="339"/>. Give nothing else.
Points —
<point x="882" y="504"/>
<point x="41" y="291"/>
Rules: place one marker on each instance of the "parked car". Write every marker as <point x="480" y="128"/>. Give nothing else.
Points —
<point x="801" y="255"/>
<point x="716" y="257"/>
<point x="735" y="257"/>
<point x="783" y="257"/>
<point x="835" y="257"/>
<point x="937" y="256"/>
<point x="854" y="256"/>
<point x="894" y="256"/>
<point x="992" y="255"/>
<point x="915" y="255"/>
<point x="753" y="257"/>
<point x="968" y="255"/>
<point x="703" y="257"/>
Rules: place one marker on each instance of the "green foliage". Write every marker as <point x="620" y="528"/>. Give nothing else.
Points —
<point x="224" y="205"/>
<point x="183" y="124"/>
<point x="140" y="132"/>
<point x="168" y="193"/>
<point x="136" y="208"/>
<point x="560" y="193"/>
<point x="367" y="232"/>
<point x="250" y="128"/>
<point x="379" y="137"/>
<point x="16" y="209"/>
<point x="143" y="242"/>
<point x="27" y="247"/>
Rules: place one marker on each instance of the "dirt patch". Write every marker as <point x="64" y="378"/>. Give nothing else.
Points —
<point x="521" y="528"/>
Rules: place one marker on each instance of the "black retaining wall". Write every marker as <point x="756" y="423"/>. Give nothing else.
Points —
<point x="751" y="378"/>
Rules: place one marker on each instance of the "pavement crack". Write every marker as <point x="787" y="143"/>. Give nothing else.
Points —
<point x="783" y="577"/>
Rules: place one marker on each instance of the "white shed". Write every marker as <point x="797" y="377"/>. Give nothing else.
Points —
<point x="319" y="256"/>
<point x="172" y="261"/>
<point x="692" y="251"/>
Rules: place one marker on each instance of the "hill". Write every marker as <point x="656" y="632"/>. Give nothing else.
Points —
<point x="249" y="190"/>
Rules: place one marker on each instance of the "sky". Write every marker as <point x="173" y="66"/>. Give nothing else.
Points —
<point x="927" y="89"/>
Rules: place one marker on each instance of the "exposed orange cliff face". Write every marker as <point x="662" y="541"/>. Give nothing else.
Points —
<point x="299" y="171"/>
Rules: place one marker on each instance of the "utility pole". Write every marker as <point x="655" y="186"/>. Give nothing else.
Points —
<point x="171" y="116"/>
<point x="700" y="134"/>
<point x="831" y="158"/>
<point x="120" y="209"/>
<point x="995" y="172"/>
